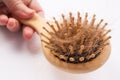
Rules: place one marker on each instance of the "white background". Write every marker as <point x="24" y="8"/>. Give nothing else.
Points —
<point x="24" y="60"/>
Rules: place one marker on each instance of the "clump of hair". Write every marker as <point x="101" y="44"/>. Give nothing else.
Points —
<point x="77" y="40"/>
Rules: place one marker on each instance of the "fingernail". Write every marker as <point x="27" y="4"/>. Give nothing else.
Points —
<point x="27" y="32"/>
<point x="11" y="24"/>
<point x="3" y="20"/>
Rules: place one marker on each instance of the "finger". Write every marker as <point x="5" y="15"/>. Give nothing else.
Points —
<point x="18" y="8"/>
<point x="3" y="20"/>
<point x="13" y="25"/>
<point x="27" y="32"/>
<point x="36" y="6"/>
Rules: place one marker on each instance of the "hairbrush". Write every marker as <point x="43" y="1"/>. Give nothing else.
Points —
<point x="74" y="45"/>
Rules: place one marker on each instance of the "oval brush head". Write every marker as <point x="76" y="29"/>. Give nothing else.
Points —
<point x="78" y="45"/>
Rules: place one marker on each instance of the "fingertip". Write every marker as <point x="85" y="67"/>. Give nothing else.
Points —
<point x="41" y="13"/>
<point x="34" y="5"/>
<point x="13" y="25"/>
<point x="28" y="32"/>
<point x="3" y="20"/>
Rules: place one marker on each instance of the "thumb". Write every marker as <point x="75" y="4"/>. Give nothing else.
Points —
<point x="19" y="9"/>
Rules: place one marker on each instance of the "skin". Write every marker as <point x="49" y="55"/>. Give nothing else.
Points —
<point x="24" y="9"/>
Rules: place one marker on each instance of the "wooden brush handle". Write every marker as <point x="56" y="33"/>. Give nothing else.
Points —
<point x="36" y="22"/>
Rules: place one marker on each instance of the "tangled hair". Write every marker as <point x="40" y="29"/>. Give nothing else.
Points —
<point x="77" y="41"/>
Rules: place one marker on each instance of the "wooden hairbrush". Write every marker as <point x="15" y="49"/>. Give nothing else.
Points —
<point x="74" y="45"/>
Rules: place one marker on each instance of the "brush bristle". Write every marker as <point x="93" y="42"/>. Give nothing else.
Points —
<point x="76" y="40"/>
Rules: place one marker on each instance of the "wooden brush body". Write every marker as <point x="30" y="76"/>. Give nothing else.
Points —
<point x="74" y="45"/>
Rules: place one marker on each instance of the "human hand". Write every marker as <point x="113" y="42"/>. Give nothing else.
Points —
<point x="24" y="9"/>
